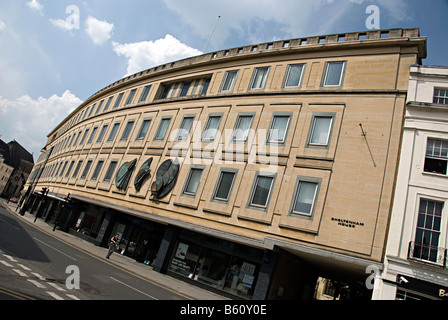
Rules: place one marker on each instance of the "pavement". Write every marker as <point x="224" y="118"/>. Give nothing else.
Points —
<point x="123" y="262"/>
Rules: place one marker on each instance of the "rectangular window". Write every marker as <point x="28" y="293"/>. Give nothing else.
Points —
<point x="102" y="133"/>
<point x="86" y="169"/>
<point x="163" y="128"/>
<point x="333" y="74"/>
<point x="278" y="129"/>
<point x="97" y="170"/>
<point x="143" y="129"/>
<point x="110" y="171"/>
<point x="165" y="91"/>
<point x="184" y="89"/>
<point x="127" y="130"/>
<point x="228" y="83"/>
<point x="70" y="167"/>
<point x="436" y="157"/>
<point x="109" y="101"/>
<point x="91" y="110"/>
<point x="145" y="93"/>
<point x="320" y="131"/>
<point x="293" y="77"/>
<point x="118" y="101"/>
<point x="261" y="191"/>
<point x="211" y="128"/>
<point x="193" y="181"/>
<point x="99" y="107"/>
<point x="205" y="85"/>
<point x="84" y="137"/>
<point x="440" y="96"/>
<point x="92" y="135"/>
<point x="242" y="128"/>
<point x="113" y="132"/>
<point x="259" y="78"/>
<point x="427" y="235"/>
<point x="185" y="128"/>
<point x="63" y="168"/>
<point x="224" y="186"/>
<point x="130" y="97"/>
<point x="305" y="198"/>
<point x="78" y="166"/>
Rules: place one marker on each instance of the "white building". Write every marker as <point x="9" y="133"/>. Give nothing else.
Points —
<point x="415" y="264"/>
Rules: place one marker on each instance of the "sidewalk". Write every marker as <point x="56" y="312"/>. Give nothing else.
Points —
<point x="118" y="260"/>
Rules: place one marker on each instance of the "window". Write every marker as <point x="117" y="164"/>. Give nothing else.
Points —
<point x="278" y="129"/>
<point x="242" y="128"/>
<point x="228" y="83"/>
<point x="145" y="93"/>
<point x="102" y="133"/>
<point x="91" y="110"/>
<point x="259" y="78"/>
<point x="143" y="129"/>
<point x="163" y="128"/>
<point x="113" y="132"/>
<point x="165" y="91"/>
<point x="70" y="167"/>
<point x="205" y="85"/>
<point x="320" y="130"/>
<point x="127" y="130"/>
<point x="261" y="191"/>
<point x="86" y="169"/>
<point x="63" y="168"/>
<point x="436" y="157"/>
<point x="110" y="171"/>
<point x="99" y="107"/>
<point x="305" y="198"/>
<point x="428" y="230"/>
<point x="193" y="181"/>
<point x="92" y="135"/>
<point x="84" y="137"/>
<point x="185" y="128"/>
<point x="184" y="89"/>
<point x="130" y="97"/>
<point x="97" y="170"/>
<point x="224" y="186"/>
<point x="293" y="77"/>
<point x="333" y="74"/>
<point x="118" y="101"/>
<point x="108" y="104"/>
<point x="78" y="166"/>
<point x="211" y="128"/>
<point x="440" y="96"/>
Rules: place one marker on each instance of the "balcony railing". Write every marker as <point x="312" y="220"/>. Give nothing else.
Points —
<point x="427" y="253"/>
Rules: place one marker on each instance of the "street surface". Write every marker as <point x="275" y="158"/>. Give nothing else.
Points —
<point x="33" y="266"/>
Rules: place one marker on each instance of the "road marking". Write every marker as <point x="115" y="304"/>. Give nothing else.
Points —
<point x="10" y="258"/>
<point x="134" y="289"/>
<point x="15" y="294"/>
<point x="54" y="295"/>
<point x="20" y="273"/>
<point x="6" y="264"/>
<point x="24" y="267"/>
<point x="37" y="284"/>
<point x="38" y="276"/>
<point x="54" y="285"/>
<point x="72" y="297"/>
<point x="55" y="249"/>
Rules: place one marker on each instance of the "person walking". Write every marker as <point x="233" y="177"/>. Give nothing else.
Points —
<point x="113" y="245"/>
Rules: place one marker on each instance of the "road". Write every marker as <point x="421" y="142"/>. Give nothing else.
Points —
<point x="36" y="266"/>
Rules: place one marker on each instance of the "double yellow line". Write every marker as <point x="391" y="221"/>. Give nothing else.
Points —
<point x="15" y="294"/>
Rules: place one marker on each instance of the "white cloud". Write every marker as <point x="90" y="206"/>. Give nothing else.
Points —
<point x="29" y="121"/>
<point x="2" y="25"/>
<point x="35" y="5"/>
<point x="147" y="54"/>
<point x="99" y="31"/>
<point x="62" y="24"/>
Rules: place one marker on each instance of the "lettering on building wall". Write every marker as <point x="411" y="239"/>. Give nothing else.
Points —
<point x="347" y="223"/>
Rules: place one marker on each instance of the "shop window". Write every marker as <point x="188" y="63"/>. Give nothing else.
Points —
<point x="242" y="128"/>
<point x="436" y="157"/>
<point x="224" y="186"/>
<point x="320" y="131"/>
<point x="293" y="76"/>
<point x="278" y="129"/>
<point x="333" y="74"/>
<point x="228" y="83"/>
<point x="211" y="128"/>
<point x="163" y="128"/>
<point x="259" y="78"/>
<point x="143" y="129"/>
<point x="261" y="191"/>
<point x="193" y="181"/>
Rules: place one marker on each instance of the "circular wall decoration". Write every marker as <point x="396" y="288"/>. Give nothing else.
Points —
<point x="166" y="177"/>
<point x="124" y="174"/>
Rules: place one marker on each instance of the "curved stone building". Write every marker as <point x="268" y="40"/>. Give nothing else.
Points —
<point x="252" y="171"/>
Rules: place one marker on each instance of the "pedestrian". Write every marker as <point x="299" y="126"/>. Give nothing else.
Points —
<point x="113" y="245"/>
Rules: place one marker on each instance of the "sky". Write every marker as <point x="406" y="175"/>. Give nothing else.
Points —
<point x="54" y="54"/>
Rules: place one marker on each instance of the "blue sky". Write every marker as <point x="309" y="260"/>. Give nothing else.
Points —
<point x="56" y="53"/>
